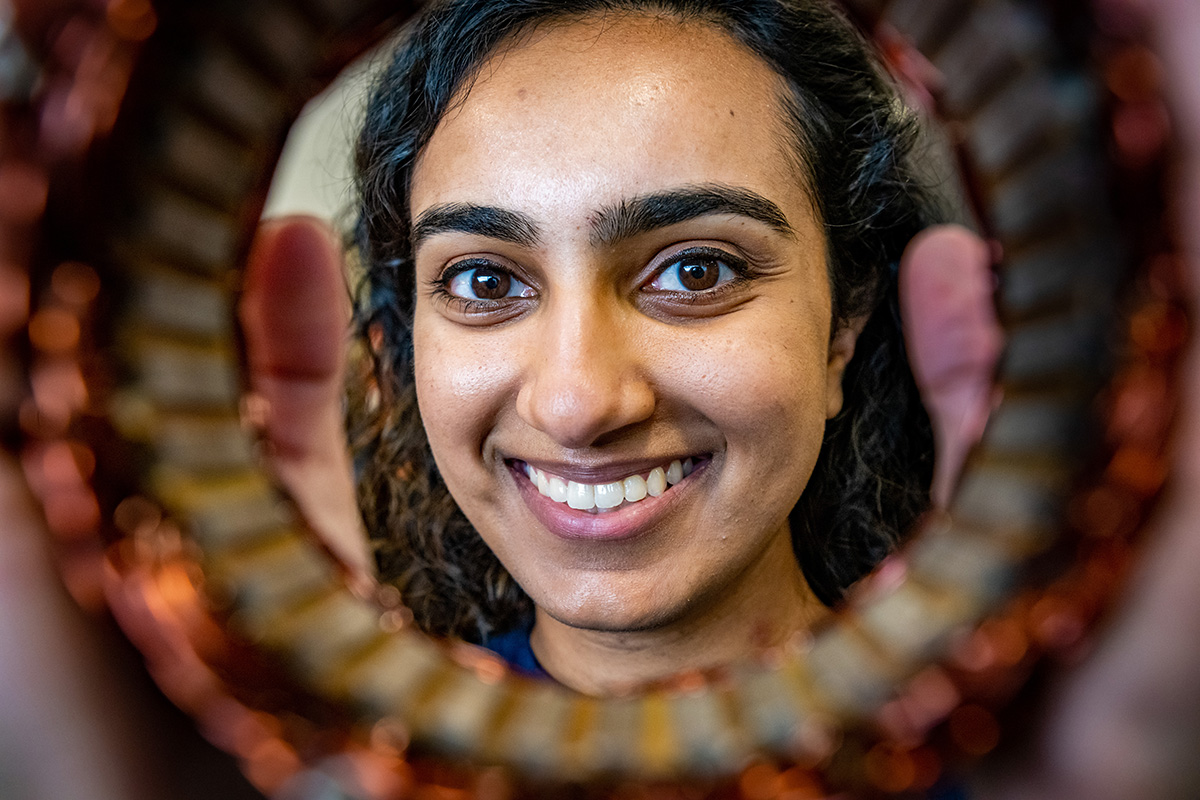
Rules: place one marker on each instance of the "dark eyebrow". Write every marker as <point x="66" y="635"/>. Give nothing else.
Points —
<point x="494" y="223"/>
<point x="649" y="212"/>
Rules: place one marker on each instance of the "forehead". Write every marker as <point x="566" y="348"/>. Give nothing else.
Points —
<point x="619" y="105"/>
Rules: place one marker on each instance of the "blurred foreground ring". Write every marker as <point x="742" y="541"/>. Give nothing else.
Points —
<point x="134" y="364"/>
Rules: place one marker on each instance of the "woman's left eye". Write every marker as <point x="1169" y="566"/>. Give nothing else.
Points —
<point x="693" y="272"/>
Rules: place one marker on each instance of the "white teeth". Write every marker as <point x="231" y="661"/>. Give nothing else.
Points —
<point x="586" y="496"/>
<point x="610" y="495"/>
<point x="635" y="488"/>
<point x="581" y="496"/>
<point x="656" y="482"/>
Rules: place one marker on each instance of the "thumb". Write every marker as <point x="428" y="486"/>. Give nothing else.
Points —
<point x="295" y="316"/>
<point x="953" y="340"/>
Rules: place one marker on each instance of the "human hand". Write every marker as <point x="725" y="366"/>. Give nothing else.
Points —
<point x="1126" y="722"/>
<point x="953" y="340"/>
<point x="295" y="316"/>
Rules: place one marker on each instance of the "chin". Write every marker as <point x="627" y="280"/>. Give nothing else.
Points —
<point x="614" y="623"/>
<point x="623" y="614"/>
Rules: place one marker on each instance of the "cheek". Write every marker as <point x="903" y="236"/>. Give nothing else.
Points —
<point x="461" y="389"/>
<point x="764" y="388"/>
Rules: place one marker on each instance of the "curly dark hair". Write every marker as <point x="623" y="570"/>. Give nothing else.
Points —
<point x="854" y="139"/>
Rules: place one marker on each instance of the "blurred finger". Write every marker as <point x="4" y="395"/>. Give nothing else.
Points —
<point x="953" y="340"/>
<point x="295" y="315"/>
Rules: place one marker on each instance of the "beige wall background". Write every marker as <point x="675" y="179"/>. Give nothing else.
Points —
<point x="314" y="175"/>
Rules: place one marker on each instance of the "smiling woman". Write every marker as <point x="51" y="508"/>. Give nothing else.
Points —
<point x="136" y="423"/>
<point x="620" y="257"/>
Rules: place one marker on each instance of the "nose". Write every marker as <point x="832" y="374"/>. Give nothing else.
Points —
<point x="587" y="374"/>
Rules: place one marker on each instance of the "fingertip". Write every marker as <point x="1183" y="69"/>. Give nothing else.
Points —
<point x="295" y="305"/>
<point x="296" y="257"/>
<point x="298" y="242"/>
<point x="949" y="245"/>
<point x="950" y="267"/>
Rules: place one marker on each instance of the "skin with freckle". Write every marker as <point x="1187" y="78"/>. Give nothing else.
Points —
<point x="595" y="368"/>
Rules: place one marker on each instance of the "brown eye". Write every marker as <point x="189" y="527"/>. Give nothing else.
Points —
<point x="486" y="283"/>
<point x="490" y="285"/>
<point x="699" y="275"/>
<point x="693" y="273"/>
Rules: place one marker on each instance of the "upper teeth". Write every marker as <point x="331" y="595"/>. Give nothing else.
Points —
<point x="588" y="496"/>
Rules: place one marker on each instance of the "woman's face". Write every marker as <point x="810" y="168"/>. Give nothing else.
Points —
<point x="618" y="268"/>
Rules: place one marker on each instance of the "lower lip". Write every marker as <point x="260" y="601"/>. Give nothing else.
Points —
<point x="624" y="523"/>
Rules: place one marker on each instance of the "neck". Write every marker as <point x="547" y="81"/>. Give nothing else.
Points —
<point x="765" y="609"/>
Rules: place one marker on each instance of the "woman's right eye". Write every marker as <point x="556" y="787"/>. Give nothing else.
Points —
<point x="485" y="283"/>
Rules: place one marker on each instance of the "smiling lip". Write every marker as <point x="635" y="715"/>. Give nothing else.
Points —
<point x="625" y="522"/>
